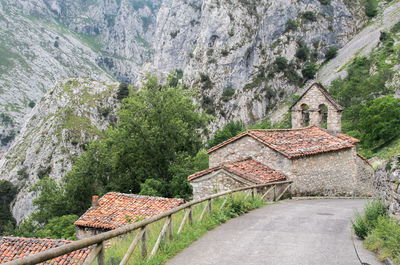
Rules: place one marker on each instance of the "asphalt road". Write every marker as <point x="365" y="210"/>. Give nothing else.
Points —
<point x="303" y="232"/>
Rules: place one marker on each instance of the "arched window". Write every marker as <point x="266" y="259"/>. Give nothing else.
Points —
<point x="305" y="114"/>
<point x="323" y="114"/>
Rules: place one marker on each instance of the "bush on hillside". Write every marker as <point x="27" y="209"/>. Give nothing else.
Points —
<point x="331" y="53"/>
<point x="309" y="15"/>
<point x="123" y="91"/>
<point x="281" y="63"/>
<point x="228" y="131"/>
<point x="371" y="8"/>
<point x="363" y="225"/>
<point x="291" y="24"/>
<point x="309" y="71"/>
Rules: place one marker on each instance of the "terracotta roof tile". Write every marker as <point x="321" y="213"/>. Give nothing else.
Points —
<point x="294" y="143"/>
<point x="118" y="209"/>
<point x="363" y="158"/>
<point x="245" y="168"/>
<point x="348" y="138"/>
<point x="12" y="248"/>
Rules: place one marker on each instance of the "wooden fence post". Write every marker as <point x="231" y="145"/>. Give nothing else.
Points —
<point x="101" y="258"/>
<point x="274" y="193"/>
<point x="170" y="228"/>
<point x="210" y="206"/>
<point x="144" y="243"/>
<point x="191" y="215"/>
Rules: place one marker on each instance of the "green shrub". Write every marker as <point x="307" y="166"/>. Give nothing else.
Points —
<point x="31" y="104"/>
<point x="303" y="53"/>
<point x="224" y="52"/>
<point x="371" y="8"/>
<point x="206" y="81"/>
<point x="309" y="15"/>
<point x="309" y="71"/>
<point x="324" y="2"/>
<point x="372" y="211"/>
<point x="281" y="63"/>
<point x="291" y="24"/>
<point x="385" y="239"/>
<point x="360" y="226"/>
<point x="227" y="94"/>
<point x="123" y="91"/>
<point x="331" y="53"/>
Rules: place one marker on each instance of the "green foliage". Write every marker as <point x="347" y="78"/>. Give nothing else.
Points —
<point x="59" y="227"/>
<point x="6" y="119"/>
<point x="309" y="71"/>
<point x="303" y="53"/>
<point x="331" y="53"/>
<point x="31" y="104"/>
<point x="281" y="63"/>
<point x="157" y="136"/>
<point x="291" y="25"/>
<point x="371" y="8"/>
<point x="228" y="131"/>
<point x="309" y="15"/>
<point x="385" y="239"/>
<point x="7" y="194"/>
<point x="123" y="91"/>
<point x="380" y="121"/>
<point x="205" y="81"/>
<point x="363" y="225"/>
<point x="324" y="2"/>
<point x="227" y="94"/>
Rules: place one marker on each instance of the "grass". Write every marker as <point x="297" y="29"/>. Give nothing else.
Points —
<point x="235" y="206"/>
<point x="381" y="232"/>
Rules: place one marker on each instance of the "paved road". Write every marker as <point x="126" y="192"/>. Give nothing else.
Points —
<point x="303" y="232"/>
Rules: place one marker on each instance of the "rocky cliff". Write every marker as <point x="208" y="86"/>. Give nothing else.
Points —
<point x="43" y="42"/>
<point x="387" y="185"/>
<point x="58" y="128"/>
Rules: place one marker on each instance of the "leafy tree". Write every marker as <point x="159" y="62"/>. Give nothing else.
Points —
<point x="309" y="71"/>
<point x="331" y="53"/>
<point x="123" y="91"/>
<point x="228" y="131"/>
<point x="7" y="194"/>
<point x="371" y="8"/>
<point x="281" y="63"/>
<point x="303" y="53"/>
<point x="59" y="227"/>
<point x="380" y="121"/>
<point x="291" y="24"/>
<point x="309" y="15"/>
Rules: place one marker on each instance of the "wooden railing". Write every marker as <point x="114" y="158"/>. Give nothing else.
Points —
<point x="97" y="241"/>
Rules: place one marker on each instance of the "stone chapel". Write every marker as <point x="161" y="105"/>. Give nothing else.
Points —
<point x="319" y="159"/>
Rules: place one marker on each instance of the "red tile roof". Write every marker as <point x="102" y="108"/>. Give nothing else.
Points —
<point x="348" y="138"/>
<point x="363" y="158"/>
<point x="246" y="168"/>
<point x="12" y="248"/>
<point x="119" y="209"/>
<point x="294" y="143"/>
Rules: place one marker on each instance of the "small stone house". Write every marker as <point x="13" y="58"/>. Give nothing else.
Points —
<point x="320" y="161"/>
<point x="12" y="248"/>
<point x="232" y="175"/>
<point x="115" y="209"/>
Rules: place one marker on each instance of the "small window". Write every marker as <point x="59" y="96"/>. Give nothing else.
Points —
<point x="305" y="115"/>
<point x="323" y="114"/>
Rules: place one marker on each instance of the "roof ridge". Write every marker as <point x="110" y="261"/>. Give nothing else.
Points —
<point x="138" y="195"/>
<point x="35" y="238"/>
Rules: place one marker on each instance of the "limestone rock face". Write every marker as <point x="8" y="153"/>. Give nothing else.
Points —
<point x="61" y="124"/>
<point x="387" y="184"/>
<point x="231" y="46"/>
<point x="45" y="41"/>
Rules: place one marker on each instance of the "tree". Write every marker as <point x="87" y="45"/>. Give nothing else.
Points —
<point x="331" y="53"/>
<point x="380" y="121"/>
<point x="123" y="91"/>
<point x="371" y="8"/>
<point x="59" y="228"/>
<point x="228" y="131"/>
<point x="7" y="194"/>
<point x="281" y="63"/>
<point x="309" y="71"/>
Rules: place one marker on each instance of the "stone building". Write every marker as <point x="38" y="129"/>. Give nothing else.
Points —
<point x="232" y="175"/>
<point x="319" y="161"/>
<point x="317" y="107"/>
<point x="115" y="209"/>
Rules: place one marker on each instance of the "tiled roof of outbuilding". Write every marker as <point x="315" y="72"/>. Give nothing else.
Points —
<point x="12" y="248"/>
<point x="294" y="143"/>
<point x="118" y="209"/>
<point x="247" y="169"/>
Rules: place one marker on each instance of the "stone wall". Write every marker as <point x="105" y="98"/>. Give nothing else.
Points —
<point x="364" y="177"/>
<point x="216" y="182"/>
<point x="84" y="232"/>
<point x="328" y="174"/>
<point x="314" y="99"/>
<point x="247" y="146"/>
<point x="387" y="185"/>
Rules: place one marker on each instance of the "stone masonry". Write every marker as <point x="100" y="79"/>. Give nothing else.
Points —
<point x="311" y="107"/>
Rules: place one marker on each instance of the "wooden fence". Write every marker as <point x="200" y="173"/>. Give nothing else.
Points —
<point x="97" y="241"/>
